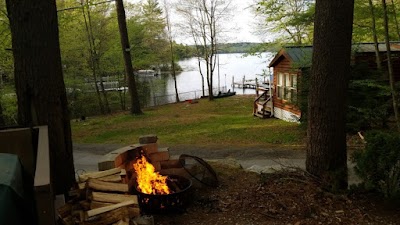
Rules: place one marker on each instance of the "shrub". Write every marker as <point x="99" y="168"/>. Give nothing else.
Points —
<point x="9" y="105"/>
<point x="379" y="163"/>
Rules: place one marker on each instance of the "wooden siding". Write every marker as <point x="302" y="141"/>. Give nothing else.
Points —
<point x="369" y="59"/>
<point x="284" y="65"/>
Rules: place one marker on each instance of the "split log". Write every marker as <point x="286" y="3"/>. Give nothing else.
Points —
<point x="124" y="221"/>
<point x="112" y="178"/>
<point x="113" y="198"/>
<point x="102" y="210"/>
<point x="109" y="217"/>
<point x="87" y="176"/>
<point x="82" y="185"/>
<point x="96" y="204"/>
<point x="64" y="210"/>
<point x="107" y="186"/>
<point x="133" y="210"/>
<point x="69" y="220"/>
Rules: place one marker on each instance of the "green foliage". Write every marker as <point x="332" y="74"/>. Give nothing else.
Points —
<point x="362" y="25"/>
<point x="8" y="103"/>
<point x="6" y="57"/>
<point x="291" y="20"/>
<point x="368" y="99"/>
<point x="379" y="164"/>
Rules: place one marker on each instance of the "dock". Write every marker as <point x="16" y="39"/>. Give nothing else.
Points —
<point x="249" y="84"/>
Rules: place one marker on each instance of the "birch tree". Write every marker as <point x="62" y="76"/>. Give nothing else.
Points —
<point x="289" y="20"/>
<point x="203" y="22"/>
<point x="389" y="65"/>
<point x="171" y="45"/>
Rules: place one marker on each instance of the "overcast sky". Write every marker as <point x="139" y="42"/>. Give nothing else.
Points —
<point x="241" y="25"/>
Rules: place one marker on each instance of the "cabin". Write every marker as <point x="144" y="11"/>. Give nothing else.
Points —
<point x="289" y="63"/>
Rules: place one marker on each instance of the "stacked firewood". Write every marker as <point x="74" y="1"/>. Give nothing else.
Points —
<point x="102" y="199"/>
<point x="103" y="196"/>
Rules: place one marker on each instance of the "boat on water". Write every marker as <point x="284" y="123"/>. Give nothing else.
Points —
<point x="148" y="72"/>
<point x="225" y="94"/>
<point x="222" y="94"/>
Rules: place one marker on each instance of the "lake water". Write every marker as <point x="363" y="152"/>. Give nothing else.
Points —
<point x="232" y="67"/>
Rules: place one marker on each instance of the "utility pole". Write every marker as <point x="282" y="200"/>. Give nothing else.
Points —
<point x="126" y="50"/>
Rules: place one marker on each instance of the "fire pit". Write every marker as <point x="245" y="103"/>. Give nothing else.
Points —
<point x="175" y="202"/>
<point x="157" y="193"/>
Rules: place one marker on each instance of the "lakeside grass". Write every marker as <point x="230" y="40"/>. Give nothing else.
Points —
<point x="227" y="121"/>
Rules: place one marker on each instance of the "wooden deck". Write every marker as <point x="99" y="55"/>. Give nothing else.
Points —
<point x="249" y="85"/>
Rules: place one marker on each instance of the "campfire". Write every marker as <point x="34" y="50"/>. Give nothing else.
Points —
<point x="132" y="182"/>
<point x="149" y="181"/>
<point x="158" y="193"/>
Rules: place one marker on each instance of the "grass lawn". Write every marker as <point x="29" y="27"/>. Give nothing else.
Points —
<point x="222" y="121"/>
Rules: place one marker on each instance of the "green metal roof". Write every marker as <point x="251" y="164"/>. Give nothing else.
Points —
<point x="301" y="56"/>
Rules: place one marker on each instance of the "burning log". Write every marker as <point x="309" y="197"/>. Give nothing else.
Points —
<point x="107" y="186"/>
<point x="113" y="198"/>
<point x="105" y="173"/>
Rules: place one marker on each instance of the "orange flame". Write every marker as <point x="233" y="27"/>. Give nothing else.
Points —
<point x="149" y="181"/>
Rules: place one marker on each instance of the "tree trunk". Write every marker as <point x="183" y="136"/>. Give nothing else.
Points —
<point x="39" y="82"/>
<point x="135" y="104"/>
<point x="396" y="21"/>
<point x="174" y="72"/>
<point x="96" y="65"/>
<point x="92" y="62"/>
<point x="390" y="66"/>
<point x="171" y="47"/>
<point x="2" y="122"/>
<point x="330" y="71"/>
<point x="376" y="43"/>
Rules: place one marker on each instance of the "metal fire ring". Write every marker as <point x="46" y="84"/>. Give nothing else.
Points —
<point x="199" y="170"/>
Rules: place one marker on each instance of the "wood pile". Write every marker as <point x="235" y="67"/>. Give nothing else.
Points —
<point x="103" y="197"/>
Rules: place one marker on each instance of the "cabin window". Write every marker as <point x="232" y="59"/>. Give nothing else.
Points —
<point x="281" y="85"/>
<point x="292" y="88"/>
<point x="287" y="86"/>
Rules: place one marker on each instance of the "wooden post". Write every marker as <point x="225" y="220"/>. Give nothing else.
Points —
<point x="256" y="87"/>
<point x="233" y="83"/>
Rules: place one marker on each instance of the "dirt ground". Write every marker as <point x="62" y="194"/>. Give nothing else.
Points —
<point x="289" y="196"/>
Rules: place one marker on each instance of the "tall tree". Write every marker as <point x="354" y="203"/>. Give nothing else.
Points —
<point x="206" y="18"/>
<point x="290" y="20"/>
<point x="395" y="20"/>
<point x="390" y="66"/>
<point x="135" y="104"/>
<point x="39" y="82"/>
<point x="375" y="35"/>
<point x="171" y="45"/>
<point x="330" y="70"/>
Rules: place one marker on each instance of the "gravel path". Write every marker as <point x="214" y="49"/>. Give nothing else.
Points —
<point x="254" y="158"/>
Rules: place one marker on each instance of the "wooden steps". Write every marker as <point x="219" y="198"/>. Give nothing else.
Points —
<point x="263" y="106"/>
